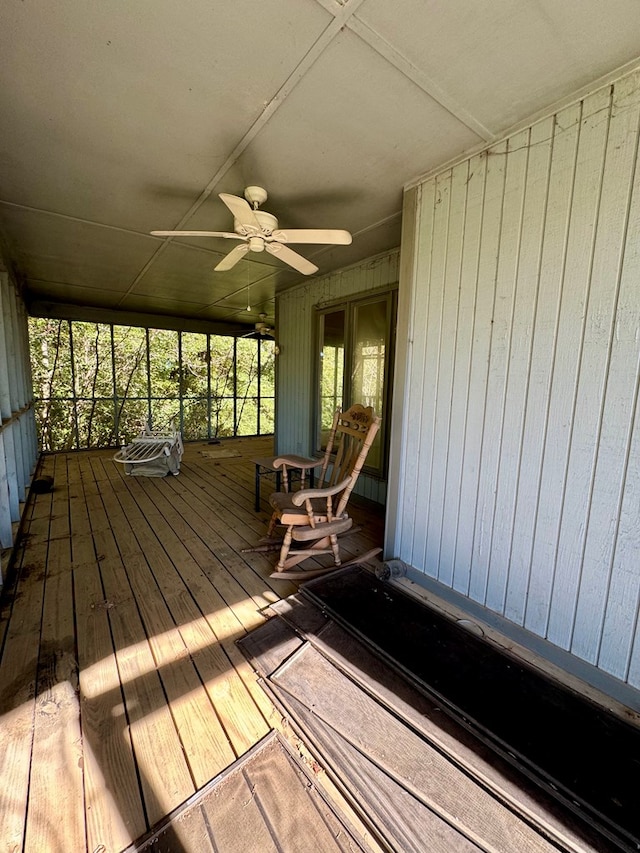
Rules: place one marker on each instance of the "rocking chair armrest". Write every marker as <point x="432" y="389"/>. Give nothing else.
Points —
<point x="298" y="498"/>
<point x="296" y="462"/>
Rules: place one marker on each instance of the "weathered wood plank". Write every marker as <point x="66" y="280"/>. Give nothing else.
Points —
<point x="56" y="779"/>
<point x="268" y="646"/>
<point x="202" y="737"/>
<point x="114" y="810"/>
<point x="164" y="773"/>
<point x="205" y="620"/>
<point x="291" y="805"/>
<point x="18" y="673"/>
<point x="405" y="757"/>
<point x="396" y="819"/>
<point x="425" y="716"/>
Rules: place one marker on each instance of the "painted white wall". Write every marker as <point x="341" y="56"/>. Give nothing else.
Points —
<point x="515" y="474"/>
<point x="296" y="334"/>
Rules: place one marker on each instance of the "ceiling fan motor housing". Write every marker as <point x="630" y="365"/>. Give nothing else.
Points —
<point x="268" y="224"/>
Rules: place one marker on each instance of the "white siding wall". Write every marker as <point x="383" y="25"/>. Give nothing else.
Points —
<point x="516" y="458"/>
<point x="296" y="324"/>
<point x="18" y="443"/>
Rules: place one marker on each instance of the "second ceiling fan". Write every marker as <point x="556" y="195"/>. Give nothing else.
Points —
<point x="259" y="232"/>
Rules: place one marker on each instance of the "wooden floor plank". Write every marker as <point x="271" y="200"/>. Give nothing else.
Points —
<point x="166" y="780"/>
<point x="143" y="693"/>
<point x="205" y="746"/>
<point x="56" y="780"/>
<point x="18" y="674"/>
<point x="60" y="522"/>
<point x="221" y="529"/>
<point x="115" y="813"/>
<point x="238" y="713"/>
<point x="78" y="515"/>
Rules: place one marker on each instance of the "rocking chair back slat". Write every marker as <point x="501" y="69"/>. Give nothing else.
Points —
<point x="352" y="434"/>
<point x="359" y="451"/>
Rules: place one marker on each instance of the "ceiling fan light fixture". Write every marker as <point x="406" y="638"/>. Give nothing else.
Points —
<point x="256" y="244"/>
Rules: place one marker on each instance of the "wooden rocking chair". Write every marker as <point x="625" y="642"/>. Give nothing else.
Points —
<point x="308" y="515"/>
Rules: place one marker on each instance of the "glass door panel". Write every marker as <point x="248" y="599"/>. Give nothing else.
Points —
<point x="332" y="342"/>
<point x="370" y="350"/>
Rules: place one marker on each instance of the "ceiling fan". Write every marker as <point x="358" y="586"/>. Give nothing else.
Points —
<point x="259" y="232"/>
<point x="262" y="329"/>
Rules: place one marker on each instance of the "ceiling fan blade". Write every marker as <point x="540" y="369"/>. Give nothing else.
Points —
<point x="228" y="234"/>
<point x="232" y="258"/>
<point x="316" y="235"/>
<point x="241" y="210"/>
<point x="292" y="258"/>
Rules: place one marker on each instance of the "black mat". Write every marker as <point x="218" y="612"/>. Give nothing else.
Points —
<point x="587" y="756"/>
<point x="266" y="800"/>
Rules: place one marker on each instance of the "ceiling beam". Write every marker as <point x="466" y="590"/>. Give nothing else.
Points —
<point x="86" y="314"/>
<point x="422" y="80"/>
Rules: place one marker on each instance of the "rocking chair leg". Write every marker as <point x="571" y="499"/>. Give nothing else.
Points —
<point x="272" y="525"/>
<point x="286" y="544"/>
<point x="335" y="548"/>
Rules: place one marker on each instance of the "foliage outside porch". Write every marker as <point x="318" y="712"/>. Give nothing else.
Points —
<point x="96" y="385"/>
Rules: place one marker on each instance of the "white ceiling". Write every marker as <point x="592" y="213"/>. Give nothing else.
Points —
<point x="119" y="117"/>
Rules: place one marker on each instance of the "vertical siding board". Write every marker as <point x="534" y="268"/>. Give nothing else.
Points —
<point x="536" y="564"/>
<point x="12" y="471"/>
<point x="536" y="188"/>
<point x="22" y="356"/>
<point x="622" y="658"/>
<point x="5" y="314"/>
<point x="528" y="147"/>
<point x="529" y="431"/>
<point x="558" y="488"/>
<point x="590" y="389"/>
<point x="610" y="363"/>
<point x="619" y="652"/>
<point x="448" y="338"/>
<point x="528" y="144"/>
<point x="475" y="182"/>
<point x="621" y="610"/>
<point x="399" y="424"/>
<point x="6" y="533"/>
<point x="535" y="367"/>
<point x="478" y="368"/>
<point x="428" y="388"/>
<point x="13" y="356"/>
<point x="501" y="343"/>
<point x="417" y="338"/>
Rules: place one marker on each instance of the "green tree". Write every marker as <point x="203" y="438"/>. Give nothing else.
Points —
<point x="98" y="385"/>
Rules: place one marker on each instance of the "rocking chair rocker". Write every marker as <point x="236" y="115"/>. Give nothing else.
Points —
<point x="308" y="515"/>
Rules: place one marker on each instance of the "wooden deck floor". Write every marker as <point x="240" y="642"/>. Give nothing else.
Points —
<point x="121" y="688"/>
